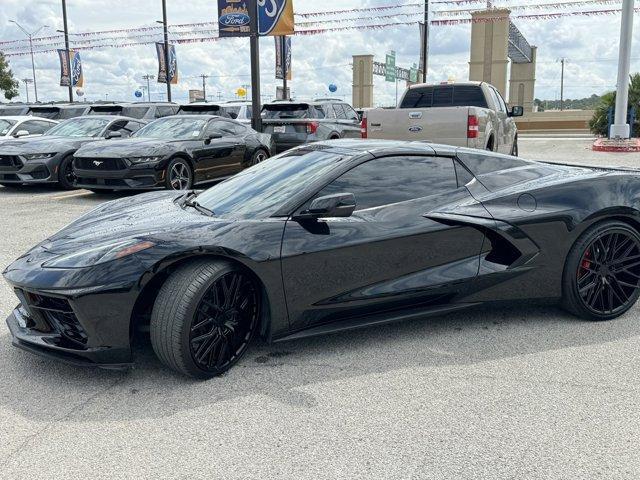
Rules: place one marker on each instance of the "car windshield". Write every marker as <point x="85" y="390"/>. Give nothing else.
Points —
<point x="5" y="126"/>
<point x="174" y="128"/>
<point x="79" y="127"/>
<point x="259" y="191"/>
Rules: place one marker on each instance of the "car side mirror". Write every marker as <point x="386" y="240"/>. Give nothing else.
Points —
<point x="336" y="205"/>
<point x="212" y="136"/>
<point x="21" y="133"/>
<point x="113" y="135"/>
<point x="516" y="111"/>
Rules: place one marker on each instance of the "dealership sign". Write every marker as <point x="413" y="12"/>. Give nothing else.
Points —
<point x="172" y="74"/>
<point x="70" y="68"/>
<point x="275" y="17"/>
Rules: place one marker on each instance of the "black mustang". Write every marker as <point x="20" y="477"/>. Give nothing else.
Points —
<point x="47" y="159"/>
<point x="330" y="236"/>
<point x="174" y="152"/>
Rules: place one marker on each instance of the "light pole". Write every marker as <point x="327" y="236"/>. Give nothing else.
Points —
<point x="620" y="127"/>
<point x="66" y="46"/>
<point x="33" y="64"/>
<point x="204" y="86"/>
<point x="562" y="61"/>
<point x="27" y="81"/>
<point x="148" y="78"/>
<point x="165" y="34"/>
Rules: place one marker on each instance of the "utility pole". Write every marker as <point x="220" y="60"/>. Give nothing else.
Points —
<point x="204" y="86"/>
<point x="148" y="78"/>
<point x="66" y="47"/>
<point x="283" y="56"/>
<point x="620" y="127"/>
<point x="562" y="60"/>
<point x="425" y="42"/>
<point x="27" y="81"/>
<point x="33" y="64"/>
<point x="166" y="46"/>
<point x="256" y="120"/>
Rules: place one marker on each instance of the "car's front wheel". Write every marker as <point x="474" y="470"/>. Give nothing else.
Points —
<point x="602" y="272"/>
<point x="258" y="157"/>
<point x="178" y="175"/>
<point x="66" y="176"/>
<point x="204" y="317"/>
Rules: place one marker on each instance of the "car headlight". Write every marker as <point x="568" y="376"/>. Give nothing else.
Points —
<point x="38" y="156"/>
<point x="138" y="160"/>
<point x="99" y="254"/>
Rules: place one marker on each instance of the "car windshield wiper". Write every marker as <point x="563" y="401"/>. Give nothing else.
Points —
<point x="190" y="202"/>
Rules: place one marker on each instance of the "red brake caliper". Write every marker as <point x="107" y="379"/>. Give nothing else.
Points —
<point x="585" y="264"/>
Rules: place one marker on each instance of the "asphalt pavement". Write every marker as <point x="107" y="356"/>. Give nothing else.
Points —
<point x="525" y="392"/>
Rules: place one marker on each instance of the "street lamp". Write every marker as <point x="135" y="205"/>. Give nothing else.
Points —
<point x="33" y="65"/>
<point x="27" y="81"/>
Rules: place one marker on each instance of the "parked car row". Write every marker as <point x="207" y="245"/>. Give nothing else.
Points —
<point x="174" y="152"/>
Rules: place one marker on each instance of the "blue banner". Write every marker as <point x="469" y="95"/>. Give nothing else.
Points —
<point x="275" y="17"/>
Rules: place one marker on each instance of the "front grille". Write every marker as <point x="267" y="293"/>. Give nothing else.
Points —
<point x="55" y="314"/>
<point x="100" y="164"/>
<point x="10" y="162"/>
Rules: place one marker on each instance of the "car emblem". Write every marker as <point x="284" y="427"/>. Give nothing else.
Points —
<point x="415" y="128"/>
<point x="97" y="163"/>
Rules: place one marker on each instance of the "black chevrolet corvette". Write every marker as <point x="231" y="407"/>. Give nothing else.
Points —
<point x="327" y="237"/>
<point x="174" y="152"/>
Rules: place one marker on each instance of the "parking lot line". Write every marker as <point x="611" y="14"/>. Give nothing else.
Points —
<point x="71" y="195"/>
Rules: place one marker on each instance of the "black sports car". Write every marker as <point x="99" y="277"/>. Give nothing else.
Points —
<point x="48" y="158"/>
<point x="175" y="152"/>
<point x="330" y="236"/>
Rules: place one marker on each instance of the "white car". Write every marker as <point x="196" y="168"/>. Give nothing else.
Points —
<point x="23" y="126"/>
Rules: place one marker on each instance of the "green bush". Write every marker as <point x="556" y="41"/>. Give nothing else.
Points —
<point x="598" y="124"/>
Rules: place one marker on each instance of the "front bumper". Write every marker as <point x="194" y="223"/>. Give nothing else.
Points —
<point x="47" y="345"/>
<point x="149" y="178"/>
<point x="14" y="169"/>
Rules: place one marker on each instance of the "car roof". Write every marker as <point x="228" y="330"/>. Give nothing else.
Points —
<point x="110" y="117"/>
<point x="190" y="115"/>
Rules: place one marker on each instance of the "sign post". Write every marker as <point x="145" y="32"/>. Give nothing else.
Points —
<point x="256" y="120"/>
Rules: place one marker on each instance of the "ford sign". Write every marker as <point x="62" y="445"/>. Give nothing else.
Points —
<point x="234" y="20"/>
<point x="270" y="12"/>
<point x="415" y="128"/>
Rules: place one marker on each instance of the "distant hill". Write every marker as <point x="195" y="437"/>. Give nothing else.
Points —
<point x="588" y="103"/>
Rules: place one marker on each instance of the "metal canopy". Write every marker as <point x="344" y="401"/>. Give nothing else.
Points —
<point x="519" y="48"/>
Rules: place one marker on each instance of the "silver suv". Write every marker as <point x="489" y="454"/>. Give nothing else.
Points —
<point x="293" y="123"/>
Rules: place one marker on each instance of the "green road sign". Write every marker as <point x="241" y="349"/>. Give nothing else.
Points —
<point x="390" y="67"/>
<point x="413" y="74"/>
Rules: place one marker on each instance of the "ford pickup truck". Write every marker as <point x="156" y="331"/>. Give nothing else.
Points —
<point x="469" y="114"/>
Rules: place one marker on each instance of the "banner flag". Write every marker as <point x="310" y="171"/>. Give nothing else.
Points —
<point x="77" y="76"/>
<point x="275" y="17"/>
<point x="173" y="64"/>
<point x="287" y="56"/>
<point x="65" y="70"/>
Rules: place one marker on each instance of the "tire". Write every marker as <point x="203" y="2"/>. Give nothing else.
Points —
<point x="183" y="335"/>
<point x="514" y="148"/>
<point x="258" y="157"/>
<point x="66" y="177"/>
<point x="178" y="175"/>
<point x="490" y="144"/>
<point x="601" y="279"/>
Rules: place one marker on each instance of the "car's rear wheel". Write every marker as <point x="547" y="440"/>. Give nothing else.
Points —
<point x="204" y="318"/>
<point x="602" y="272"/>
<point x="66" y="177"/>
<point x="258" y="157"/>
<point x="178" y="175"/>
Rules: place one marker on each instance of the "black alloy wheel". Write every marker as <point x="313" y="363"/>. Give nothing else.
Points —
<point x="204" y="318"/>
<point x="258" y="157"/>
<point x="605" y="266"/>
<point x="178" y="175"/>
<point x="66" y="176"/>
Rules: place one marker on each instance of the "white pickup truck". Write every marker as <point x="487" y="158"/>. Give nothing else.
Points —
<point x="469" y="114"/>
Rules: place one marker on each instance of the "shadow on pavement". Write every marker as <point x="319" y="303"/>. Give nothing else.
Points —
<point x="47" y="391"/>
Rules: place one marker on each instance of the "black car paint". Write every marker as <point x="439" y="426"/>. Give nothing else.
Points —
<point x="475" y="245"/>
<point x="15" y="169"/>
<point x="210" y="159"/>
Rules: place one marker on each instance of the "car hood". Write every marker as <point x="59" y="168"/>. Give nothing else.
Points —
<point x="42" y="144"/>
<point x="128" y="147"/>
<point x="150" y="216"/>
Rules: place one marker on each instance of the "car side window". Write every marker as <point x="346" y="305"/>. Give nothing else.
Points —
<point x="222" y="127"/>
<point x="351" y="113"/>
<point x="120" y="126"/>
<point x="132" y="127"/>
<point x="328" y="111"/>
<point x="340" y="113"/>
<point x="164" y="111"/>
<point x="34" y="127"/>
<point x="389" y="180"/>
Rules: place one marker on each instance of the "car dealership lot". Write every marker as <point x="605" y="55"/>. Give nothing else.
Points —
<point x="519" y="392"/>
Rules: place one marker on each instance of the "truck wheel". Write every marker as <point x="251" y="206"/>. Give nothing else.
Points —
<point x="514" y="149"/>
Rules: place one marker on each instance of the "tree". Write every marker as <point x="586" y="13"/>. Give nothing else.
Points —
<point x="8" y="84"/>
<point x="600" y="121"/>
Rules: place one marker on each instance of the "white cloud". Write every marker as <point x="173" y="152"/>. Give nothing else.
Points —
<point x="589" y="43"/>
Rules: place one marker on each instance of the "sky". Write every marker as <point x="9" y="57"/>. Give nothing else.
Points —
<point x="590" y="45"/>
